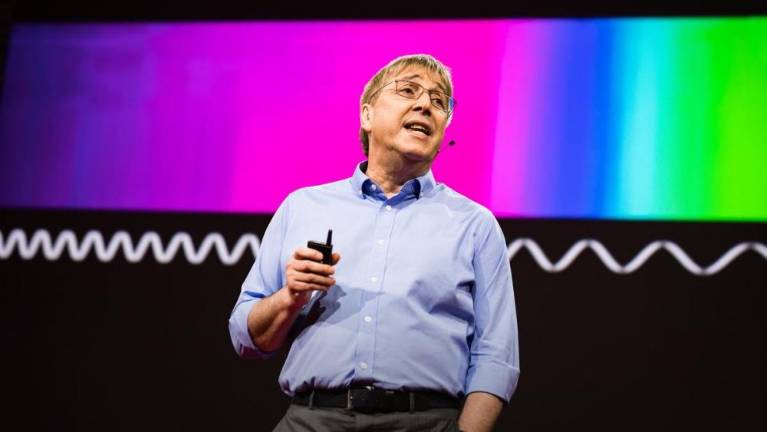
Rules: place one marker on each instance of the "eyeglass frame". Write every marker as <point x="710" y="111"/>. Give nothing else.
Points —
<point x="450" y="98"/>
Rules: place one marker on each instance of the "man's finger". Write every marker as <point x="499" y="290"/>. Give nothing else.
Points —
<point x="305" y="253"/>
<point x="315" y="279"/>
<point x="304" y="286"/>
<point x="313" y="267"/>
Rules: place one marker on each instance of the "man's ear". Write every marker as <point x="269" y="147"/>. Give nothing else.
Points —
<point x="365" y="117"/>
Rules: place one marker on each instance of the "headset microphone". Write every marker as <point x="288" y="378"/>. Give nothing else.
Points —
<point x="451" y="143"/>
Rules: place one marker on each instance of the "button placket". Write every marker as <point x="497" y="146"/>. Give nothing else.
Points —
<point x="364" y="358"/>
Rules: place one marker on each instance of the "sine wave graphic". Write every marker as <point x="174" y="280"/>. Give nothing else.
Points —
<point x="41" y="243"/>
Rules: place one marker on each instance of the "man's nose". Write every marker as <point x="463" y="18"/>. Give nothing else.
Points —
<point x="423" y="103"/>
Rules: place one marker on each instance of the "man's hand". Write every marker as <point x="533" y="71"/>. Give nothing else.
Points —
<point x="269" y="320"/>
<point x="306" y="273"/>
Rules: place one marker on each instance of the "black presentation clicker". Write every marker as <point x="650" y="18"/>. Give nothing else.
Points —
<point x="326" y="248"/>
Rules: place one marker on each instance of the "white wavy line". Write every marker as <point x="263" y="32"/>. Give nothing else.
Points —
<point x="66" y="241"/>
<point x="635" y="263"/>
<point x="93" y="241"/>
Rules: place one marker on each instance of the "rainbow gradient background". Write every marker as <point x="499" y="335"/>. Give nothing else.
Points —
<point x="610" y="118"/>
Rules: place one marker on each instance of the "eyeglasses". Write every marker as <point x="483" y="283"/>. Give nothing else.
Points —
<point x="413" y="90"/>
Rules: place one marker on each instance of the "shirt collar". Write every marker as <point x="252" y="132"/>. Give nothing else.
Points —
<point x="419" y="185"/>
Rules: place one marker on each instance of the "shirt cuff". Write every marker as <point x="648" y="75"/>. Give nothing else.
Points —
<point x="492" y="377"/>
<point x="238" y="330"/>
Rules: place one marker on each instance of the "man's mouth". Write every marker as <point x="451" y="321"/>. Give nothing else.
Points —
<point x="419" y="127"/>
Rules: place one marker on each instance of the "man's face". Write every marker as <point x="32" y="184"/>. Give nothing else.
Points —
<point x="413" y="128"/>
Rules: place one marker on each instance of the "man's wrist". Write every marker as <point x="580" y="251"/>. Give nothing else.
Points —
<point x="292" y="300"/>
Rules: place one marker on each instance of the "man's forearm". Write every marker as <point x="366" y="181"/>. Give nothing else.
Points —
<point x="480" y="411"/>
<point x="270" y="319"/>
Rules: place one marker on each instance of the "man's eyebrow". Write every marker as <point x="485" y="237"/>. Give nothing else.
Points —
<point x="439" y="85"/>
<point x="412" y="76"/>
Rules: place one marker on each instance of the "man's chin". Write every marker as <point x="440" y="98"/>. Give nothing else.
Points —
<point x="416" y="151"/>
<point x="419" y="156"/>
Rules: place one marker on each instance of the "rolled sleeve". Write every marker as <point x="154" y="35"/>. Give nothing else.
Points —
<point x="264" y="278"/>
<point x="238" y="331"/>
<point x="499" y="379"/>
<point x="494" y="359"/>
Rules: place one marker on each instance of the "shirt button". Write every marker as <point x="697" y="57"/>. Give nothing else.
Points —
<point x="363" y="365"/>
<point x="388" y="208"/>
<point x="374" y="279"/>
<point x="380" y="242"/>
<point x="368" y="318"/>
<point x="373" y="187"/>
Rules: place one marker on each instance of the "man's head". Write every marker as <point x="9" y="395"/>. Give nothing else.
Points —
<point x="407" y="103"/>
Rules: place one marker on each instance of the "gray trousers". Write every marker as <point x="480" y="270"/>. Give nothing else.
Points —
<point x="300" y="418"/>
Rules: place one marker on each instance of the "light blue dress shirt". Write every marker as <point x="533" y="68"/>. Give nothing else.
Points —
<point x="423" y="297"/>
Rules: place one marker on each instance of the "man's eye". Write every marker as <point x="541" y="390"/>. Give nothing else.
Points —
<point x="408" y="90"/>
<point x="439" y="102"/>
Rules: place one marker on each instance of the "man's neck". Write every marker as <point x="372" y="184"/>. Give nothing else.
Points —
<point x="392" y="175"/>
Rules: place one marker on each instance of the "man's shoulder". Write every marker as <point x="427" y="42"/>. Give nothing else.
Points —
<point x="338" y="187"/>
<point x="478" y="218"/>
<point x="459" y="202"/>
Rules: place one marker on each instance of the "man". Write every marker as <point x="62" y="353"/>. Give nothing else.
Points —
<point x="415" y="327"/>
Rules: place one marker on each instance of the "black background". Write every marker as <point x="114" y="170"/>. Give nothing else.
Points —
<point x="93" y="345"/>
<point x="144" y="346"/>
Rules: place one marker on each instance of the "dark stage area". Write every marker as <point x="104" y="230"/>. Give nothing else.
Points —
<point x="106" y="343"/>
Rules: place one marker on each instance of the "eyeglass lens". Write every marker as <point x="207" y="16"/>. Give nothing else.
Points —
<point x="412" y="90"/>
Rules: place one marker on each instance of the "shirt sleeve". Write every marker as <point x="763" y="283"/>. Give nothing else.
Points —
<point x="494" y="355"/>
<point x="264" y="278"/>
